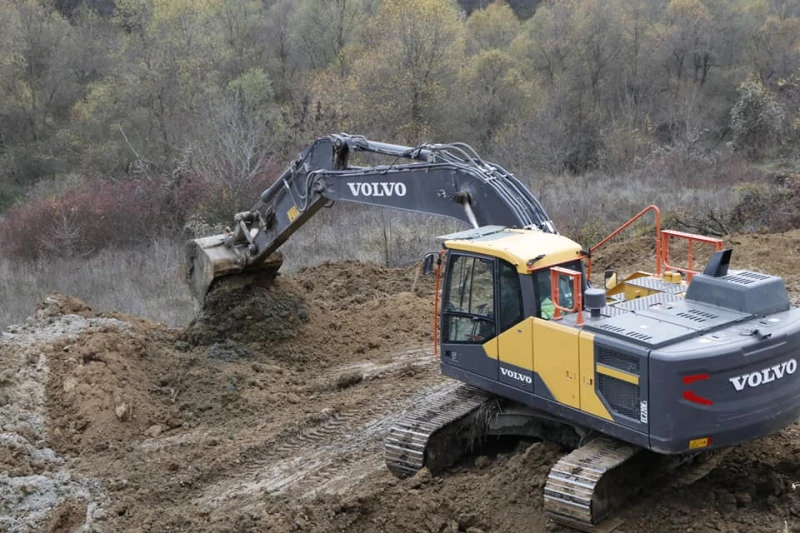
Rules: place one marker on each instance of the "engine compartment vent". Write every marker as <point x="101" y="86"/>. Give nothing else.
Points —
<point x="745" y="277"/>
<point x="622" y="397"/>
<point x="626" y="332"/>
<point x="621" y="361"/>
<point x="697" y="315"/>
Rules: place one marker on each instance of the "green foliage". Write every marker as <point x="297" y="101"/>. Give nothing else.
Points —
<point x="493" y="27"/>
<point x="773" y="205"/>
<point x="492" y="81"/>
<point x="756" y="119"/>
<point x="403" y="79"/>
<point x="220" y="92"/>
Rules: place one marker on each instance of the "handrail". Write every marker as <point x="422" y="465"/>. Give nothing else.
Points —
<point x="577" y="306"/>
<point x="624" y="227"/>
<point x="692" y="238"/>
<point x="436" y="324"/>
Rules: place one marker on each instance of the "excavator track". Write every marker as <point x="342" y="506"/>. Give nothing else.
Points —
<point x="438" y="434"/>
<point x="574" y="495"/>
<point x="587" y="485"/>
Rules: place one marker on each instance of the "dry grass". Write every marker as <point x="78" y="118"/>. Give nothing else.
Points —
<point x="147" y="281"/>
<point x="144" y="281"/>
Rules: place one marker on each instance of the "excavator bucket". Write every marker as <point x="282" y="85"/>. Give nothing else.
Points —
<point x="210" y="258"/>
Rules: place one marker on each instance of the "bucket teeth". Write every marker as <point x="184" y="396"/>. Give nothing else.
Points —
<point x="210" y="258"/>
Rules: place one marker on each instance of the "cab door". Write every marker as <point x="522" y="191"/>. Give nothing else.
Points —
<point x="515" y="341"/>
<point x="469" y="317"/>
<point x="556" y="347"/>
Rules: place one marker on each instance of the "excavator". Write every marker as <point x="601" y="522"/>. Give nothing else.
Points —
<point x="648" y="375"/>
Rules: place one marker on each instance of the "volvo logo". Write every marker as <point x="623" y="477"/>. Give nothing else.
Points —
<point x="378" y="189"/>
<point x="767" y="375"/>
<point x="516" y="375"/>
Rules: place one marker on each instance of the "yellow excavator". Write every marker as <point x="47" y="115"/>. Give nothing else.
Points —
<point x="644" y="376"/>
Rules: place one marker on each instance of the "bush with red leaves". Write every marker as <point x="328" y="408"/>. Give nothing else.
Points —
<point x="120" y="214"/>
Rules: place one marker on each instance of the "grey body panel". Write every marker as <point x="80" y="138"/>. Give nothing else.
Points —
<point x="749" y="292"/>
<point x="722" y="367"/>
<point x="550" y="406"/>
<point x="469" y="357"/>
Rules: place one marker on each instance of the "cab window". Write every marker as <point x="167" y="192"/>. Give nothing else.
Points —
<point x="469" y="314"/>
<point x="546" y="306"/>
<point x="510" y="296"/>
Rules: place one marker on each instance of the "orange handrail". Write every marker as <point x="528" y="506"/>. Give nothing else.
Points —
<point x="577" y="306"/>
<point x="692" y="238"/>
<point x="624" y="227"/>
<point x="436" y="306"/>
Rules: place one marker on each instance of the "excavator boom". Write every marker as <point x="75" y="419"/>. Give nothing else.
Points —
<point x="451" y="181"/>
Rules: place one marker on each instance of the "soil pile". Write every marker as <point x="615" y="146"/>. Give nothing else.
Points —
<point x="323" y="314"/>
<point x="268" y="414"/>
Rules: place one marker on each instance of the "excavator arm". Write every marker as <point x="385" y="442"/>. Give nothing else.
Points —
<point x="451" y="181"/>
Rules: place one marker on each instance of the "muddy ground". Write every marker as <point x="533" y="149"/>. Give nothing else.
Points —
<point x="268" y="413"/>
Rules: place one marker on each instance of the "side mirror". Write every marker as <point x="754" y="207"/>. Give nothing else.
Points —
<point x="610" y="279"/>
<point x="431" y="258"/>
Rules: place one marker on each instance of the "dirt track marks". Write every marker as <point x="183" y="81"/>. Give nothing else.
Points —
<point x="343" y="448"/>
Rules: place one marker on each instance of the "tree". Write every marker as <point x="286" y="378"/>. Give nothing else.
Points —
<point x="322" y="30"/>
<point x="497" y="93"/>
<point x="689" y="41"/>
<point x="756" y="119"/>
<point x="403" y="80"/>
<point x="493" y="27"/>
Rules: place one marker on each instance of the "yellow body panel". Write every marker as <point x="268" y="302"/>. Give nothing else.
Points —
<point x="556" y="359"/>
<point x="632" y="292"/>
<point x="516" y="345"/>
<point x="590" y="402"/>
<point x="490" y="347"/>
<point x="520" y="246"/>
<point x="618" y="374"/>
<point x="621" y="285"/>
<point x="563" y="358"/>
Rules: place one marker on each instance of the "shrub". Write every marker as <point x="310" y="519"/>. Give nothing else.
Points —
<point x="756" y="119"/>
<point x="772" y="206"/>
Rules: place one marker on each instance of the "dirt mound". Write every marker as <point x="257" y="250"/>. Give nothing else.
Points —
<point x="253" y="311"/>
<point x="755" y="488"/>
<point x="268" y="414"/>
<point x="323" y="314"/>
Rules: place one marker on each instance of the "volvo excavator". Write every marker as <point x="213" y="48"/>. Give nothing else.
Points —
<point x="640" y="378"/>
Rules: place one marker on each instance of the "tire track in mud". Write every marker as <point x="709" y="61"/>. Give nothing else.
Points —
<point x="334" y="455"/>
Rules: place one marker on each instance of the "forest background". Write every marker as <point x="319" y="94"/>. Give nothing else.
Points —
<point x="128" y="126"/>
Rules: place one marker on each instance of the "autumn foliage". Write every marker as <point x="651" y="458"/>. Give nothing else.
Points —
<point x="170" y="109"/>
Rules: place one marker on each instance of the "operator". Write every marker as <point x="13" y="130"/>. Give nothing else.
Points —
<point x="546" y="304"/>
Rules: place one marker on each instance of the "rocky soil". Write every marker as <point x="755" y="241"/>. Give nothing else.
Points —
<point x="267" y="413"/>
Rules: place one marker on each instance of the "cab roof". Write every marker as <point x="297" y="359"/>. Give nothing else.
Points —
<point x="517" y="246"/>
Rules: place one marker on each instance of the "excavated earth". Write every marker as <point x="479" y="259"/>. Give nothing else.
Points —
<point x="268" y="411"/>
